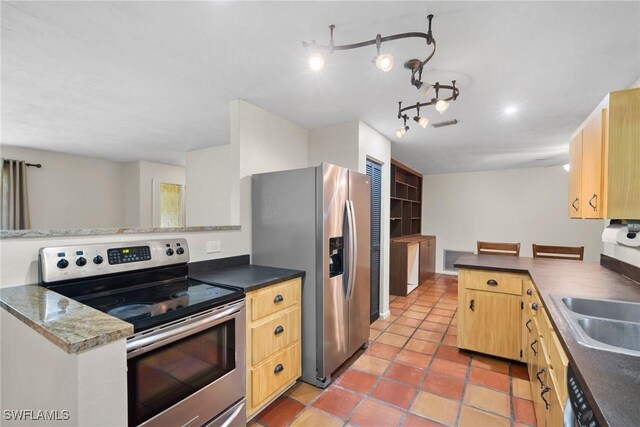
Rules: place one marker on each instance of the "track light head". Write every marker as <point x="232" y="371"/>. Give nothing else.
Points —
<point x="442" y="106"/>
<point x="384" y="62"/>
<point x="423" y="122"/>
<point x="316" y="61"/>
<point x="400" y="132"/>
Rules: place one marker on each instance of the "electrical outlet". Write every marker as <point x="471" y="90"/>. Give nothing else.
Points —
<point x="213" y="246"/>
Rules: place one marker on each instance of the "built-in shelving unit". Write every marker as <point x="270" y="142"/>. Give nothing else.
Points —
<point x="406" y="200"/>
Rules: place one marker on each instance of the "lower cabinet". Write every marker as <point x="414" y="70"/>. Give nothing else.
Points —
<point x="273" y="342"/>
<point x="490" y="312"/>
<point x="501" y="314"/>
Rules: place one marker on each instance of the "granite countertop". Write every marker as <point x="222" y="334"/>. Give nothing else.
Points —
<point x="72" y="326"/>
<point x="612" y="379"/>
<point x="248" y="277"/>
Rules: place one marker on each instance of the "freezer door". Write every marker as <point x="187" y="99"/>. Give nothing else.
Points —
<point x="360" y="286"/>
<point x="333" y="315"/>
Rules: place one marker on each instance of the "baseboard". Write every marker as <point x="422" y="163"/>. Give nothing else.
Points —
<point x="385" y="314"/>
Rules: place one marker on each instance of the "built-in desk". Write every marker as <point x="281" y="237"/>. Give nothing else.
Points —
<point x="412" y="261"/>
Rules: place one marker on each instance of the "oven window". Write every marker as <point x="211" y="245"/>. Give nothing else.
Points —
<point x="163" y="377"/>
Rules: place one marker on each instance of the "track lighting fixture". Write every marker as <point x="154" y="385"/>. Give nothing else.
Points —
<point x="400" y="132"/>
<point x="385" y="62"/>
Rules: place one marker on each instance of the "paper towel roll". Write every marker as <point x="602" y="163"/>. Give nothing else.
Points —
<point x="623" y="237"/>
<point x="610" y="233"/>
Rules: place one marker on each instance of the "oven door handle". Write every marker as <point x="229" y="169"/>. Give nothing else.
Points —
<point x="162" y="337"/>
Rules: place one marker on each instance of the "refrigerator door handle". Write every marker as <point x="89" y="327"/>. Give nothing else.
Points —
<point x="353" y="248"/>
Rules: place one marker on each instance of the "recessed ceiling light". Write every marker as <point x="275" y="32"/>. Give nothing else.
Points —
<point x="510" y="110"/>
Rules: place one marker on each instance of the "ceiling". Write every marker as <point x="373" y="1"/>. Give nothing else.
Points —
<point x="151" y="80"/>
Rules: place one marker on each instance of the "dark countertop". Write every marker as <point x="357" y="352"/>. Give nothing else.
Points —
<point x="612" y="379"/>
<point x="248" y="277"/>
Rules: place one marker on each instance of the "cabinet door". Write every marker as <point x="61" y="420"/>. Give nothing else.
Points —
<point x="491" y="324"/>
<point x="592" y="167"/>
<point x="575" y="176"/>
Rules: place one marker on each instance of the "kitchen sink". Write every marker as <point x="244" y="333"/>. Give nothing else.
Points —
<point x="603" y="324"/>
<point x="617" y="334"/>
<point x="607" y="309"/>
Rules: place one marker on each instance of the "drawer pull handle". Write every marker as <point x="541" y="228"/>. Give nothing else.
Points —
<point x="529" y="291"/>
<point x="540" y="372"/>
<point x="472" y="305"/>
<point x="492" y="282"/>
<point x="278" y="299"/>
<point x="595" y="207"/>
<point x="534" y="306"/>
<point x="574" y="204"/>
<point x="527" y="325"/>
<point x="534" y="342"/>
<point x="279" y="368"/>
<point x="542" y="393"/>
<point x="279" y="330"/>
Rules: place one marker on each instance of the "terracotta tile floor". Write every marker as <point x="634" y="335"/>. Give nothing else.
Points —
<point x="412" y="374"/>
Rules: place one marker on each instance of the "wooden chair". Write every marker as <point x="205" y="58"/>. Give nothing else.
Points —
<point x="558" y="252"/>
<point x="491" y="248"/>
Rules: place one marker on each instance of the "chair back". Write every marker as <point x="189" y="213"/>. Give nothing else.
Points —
<point x="494" y="248"/>
<point x="558" y="252"/>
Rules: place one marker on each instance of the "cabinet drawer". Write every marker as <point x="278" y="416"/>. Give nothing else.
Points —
<point x="506" y="283"/>
<point x="545" y="324"/>
<point x="275" y="373"/>
<point x="275" y="298"/>
<point x="274" y="335"/>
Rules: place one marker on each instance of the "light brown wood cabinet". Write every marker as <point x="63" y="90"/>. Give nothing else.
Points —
<point x="604" y="153"/>
<point x="501" y="314"/>
<point x="490" y="311"/>
<point x="273" y="342"/>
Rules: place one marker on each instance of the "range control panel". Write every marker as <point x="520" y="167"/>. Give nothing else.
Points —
<point x="84" y="261"/>
<point x="584" y="415"/>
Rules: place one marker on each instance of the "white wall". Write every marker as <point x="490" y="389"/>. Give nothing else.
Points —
<point x="336" y="144"/>
<point x="209" y="176"/>
<point x="71" y="191"/>
<point x="519" y="205"/>
<point x="263" y="142"/>
<point x="155" y="171"/>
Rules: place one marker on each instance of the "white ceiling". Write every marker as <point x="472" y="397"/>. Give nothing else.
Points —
<point x="151" y="80"/>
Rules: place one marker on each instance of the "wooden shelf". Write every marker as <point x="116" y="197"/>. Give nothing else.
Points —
<point x="406" y="198"/>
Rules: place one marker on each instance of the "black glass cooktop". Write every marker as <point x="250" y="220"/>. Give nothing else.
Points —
<point x="146" y="306"/>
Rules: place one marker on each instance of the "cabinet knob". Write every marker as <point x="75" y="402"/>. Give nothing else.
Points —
<point x="279" y="329"/>
<point x="492" y="282"/>
<point x="278" y="299"/>
<point x="279" y="368"/>
<point x="534" y="306"/>
<point x="529" y="291"/>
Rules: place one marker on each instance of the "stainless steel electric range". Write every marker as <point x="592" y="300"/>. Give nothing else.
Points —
<point x="186" y="358"/>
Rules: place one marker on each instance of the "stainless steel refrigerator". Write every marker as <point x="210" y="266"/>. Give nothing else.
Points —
<point x="317" y="220"/>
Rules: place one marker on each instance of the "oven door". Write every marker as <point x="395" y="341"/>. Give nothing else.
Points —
<point x="189" y="371"/>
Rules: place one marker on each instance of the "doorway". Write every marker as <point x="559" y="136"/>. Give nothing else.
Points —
<point x="374" y="172"/>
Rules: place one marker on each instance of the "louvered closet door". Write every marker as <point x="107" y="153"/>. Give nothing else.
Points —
<point x="374" y="171"/>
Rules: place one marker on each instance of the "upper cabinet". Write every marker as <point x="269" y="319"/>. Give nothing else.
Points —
<point x="604" y="178"/>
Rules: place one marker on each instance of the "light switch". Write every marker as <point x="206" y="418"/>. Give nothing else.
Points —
<point x="213" y="246"/>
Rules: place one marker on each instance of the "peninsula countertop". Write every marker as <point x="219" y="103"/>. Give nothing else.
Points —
<point x="612" y="379"/>
<point x="72" y="326"/>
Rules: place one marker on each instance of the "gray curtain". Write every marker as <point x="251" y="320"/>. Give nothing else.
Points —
<point x="15" y="202"/>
